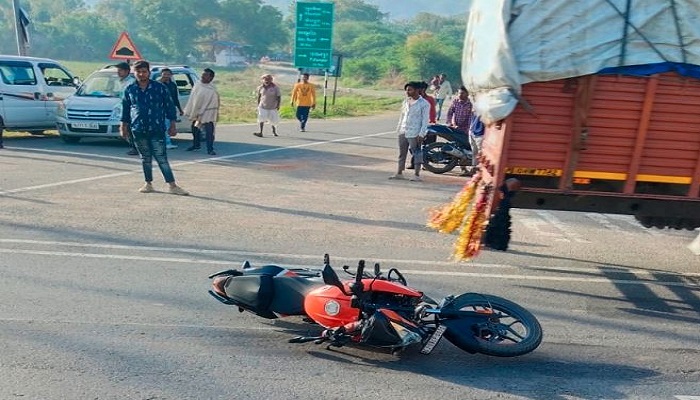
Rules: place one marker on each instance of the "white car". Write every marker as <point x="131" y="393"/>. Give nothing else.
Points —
<point x="95" y="109"/>
<point x="30" y="91"/>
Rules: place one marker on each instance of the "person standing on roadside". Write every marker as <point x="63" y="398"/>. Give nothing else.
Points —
<point x="126" y="79"/>
<point x="166" y="78"/>
<point x="411" y="129"/>
<point x="476" y="137"/>
<point x="444" y="92"/>
<point x="203" y="110"/>
<point x="145" y="106"/>
<point x="459" y="117"/>
<point x="431" y="118"/>
<point x="304" y="95"/>
<point x="269" y="100"/>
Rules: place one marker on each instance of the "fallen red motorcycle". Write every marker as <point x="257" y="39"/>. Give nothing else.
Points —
<point x="378" y="310"/>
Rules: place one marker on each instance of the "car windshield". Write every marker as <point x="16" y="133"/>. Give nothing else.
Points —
<point x="103" y="84"/>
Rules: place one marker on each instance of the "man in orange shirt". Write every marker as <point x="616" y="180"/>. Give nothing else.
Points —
<point x="304" y="95"/>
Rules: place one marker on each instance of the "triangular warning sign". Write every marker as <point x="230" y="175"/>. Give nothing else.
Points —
<point x="124" y="49"/>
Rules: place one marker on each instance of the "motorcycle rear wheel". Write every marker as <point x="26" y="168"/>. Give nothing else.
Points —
<point x="436" y="161"/>
<point x="513" y="333"/>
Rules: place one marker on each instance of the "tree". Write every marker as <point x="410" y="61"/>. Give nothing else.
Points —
<point x="426" y="56"/>
<point x="8" y="43"/>
<point x="43" y="11"/>
<point x="254" y="24"/>
<point x="357" y="10"/>
<point x="173" y="25"/>
<point x="90" y="36"/>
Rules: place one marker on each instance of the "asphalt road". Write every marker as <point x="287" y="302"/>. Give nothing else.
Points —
<point x="103" y="290"/>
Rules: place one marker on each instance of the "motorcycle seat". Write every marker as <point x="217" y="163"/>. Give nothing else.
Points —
<point x="267" y="295"/>
<point x="289" y="293"/>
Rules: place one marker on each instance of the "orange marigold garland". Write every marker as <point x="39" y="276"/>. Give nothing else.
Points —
<point x="467" y="212"/>
<point x="449" y="217"/>
<point x="468" y="243"/>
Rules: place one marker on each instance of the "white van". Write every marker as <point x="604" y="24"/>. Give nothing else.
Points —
<point x="30" y="90"/>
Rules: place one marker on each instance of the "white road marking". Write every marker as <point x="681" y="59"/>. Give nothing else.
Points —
<point x="537" y="227"/>
<point x="565" y="230"/>
<point x="144" y="324"/>
<point x="199" y="161"/>
<point x="607" y="223"/>
<point x="687" y="397"/>
<point x="642" y="277"/>
<point x="551" y="278"/>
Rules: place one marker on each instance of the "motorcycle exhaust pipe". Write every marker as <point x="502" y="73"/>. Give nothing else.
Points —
<point x="453" y="151"/>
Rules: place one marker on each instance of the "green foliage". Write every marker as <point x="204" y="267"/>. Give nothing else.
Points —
<point x="250" y="22"/>
<point x="357" y="10"/>
<point x="176" y="23"/>
<point x="363" y="70"/>
<point x="92" y="35"/>
<point x="426" y="56"/>
<point x="375" y="51"/>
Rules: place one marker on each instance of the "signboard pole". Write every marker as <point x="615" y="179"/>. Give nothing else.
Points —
<point x="325" y="90"/>
<point x="335" y="89"/>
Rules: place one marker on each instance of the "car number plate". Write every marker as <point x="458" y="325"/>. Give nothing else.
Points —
<point x="86" y="125"/>
<point x="434" y="339"/>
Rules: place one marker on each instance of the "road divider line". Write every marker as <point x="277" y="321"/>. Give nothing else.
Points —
<point x="472" y="275"/>
<point x="178" y="164"/>
<point x="319" y="257"/>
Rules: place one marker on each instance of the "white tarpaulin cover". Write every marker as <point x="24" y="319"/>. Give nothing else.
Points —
<point x="512" y="42"/>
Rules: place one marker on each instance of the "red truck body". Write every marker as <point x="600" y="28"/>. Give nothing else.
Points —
<point x="604" y="143"/>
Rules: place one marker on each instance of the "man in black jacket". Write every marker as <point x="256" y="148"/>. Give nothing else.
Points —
<point x="166" y="78"/>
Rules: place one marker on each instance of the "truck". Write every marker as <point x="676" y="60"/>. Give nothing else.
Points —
<point x="592" y="106"/>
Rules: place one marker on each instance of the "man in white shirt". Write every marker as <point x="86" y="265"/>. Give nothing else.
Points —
<point x="411" y="129"/>
<point x="444" y="92"/>
<point x="202" y="109"/>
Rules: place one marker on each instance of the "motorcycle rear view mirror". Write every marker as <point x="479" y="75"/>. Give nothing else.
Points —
<point x="331" y="278"/>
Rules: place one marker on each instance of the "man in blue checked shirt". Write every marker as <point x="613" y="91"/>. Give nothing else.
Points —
<point x="145" y="106"/>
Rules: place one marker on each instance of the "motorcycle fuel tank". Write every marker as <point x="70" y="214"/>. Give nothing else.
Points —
<point x="329" y="307"/>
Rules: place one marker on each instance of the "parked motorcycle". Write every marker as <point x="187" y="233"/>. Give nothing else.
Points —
<point x="378" y="310"/>
<point x="443" y="156"/>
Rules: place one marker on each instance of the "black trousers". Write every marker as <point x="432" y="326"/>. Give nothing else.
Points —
<point x="208" y="129"/>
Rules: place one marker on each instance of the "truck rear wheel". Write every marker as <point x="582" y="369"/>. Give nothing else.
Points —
<point x="649" y="221"/>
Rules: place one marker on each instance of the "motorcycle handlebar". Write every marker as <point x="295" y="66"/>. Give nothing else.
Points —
<point x="360" y="271"/>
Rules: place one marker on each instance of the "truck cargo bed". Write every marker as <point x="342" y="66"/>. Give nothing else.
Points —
<point x="605" y="143"/>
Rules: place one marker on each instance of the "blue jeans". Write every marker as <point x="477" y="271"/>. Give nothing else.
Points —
<point x="439" y="102"/>
<point x="303" y="115"/>
<point x="150" y="148"/>
<point x="168" y="140"/>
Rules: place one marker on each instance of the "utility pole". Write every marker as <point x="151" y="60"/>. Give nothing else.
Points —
<point x="21" y="39"/>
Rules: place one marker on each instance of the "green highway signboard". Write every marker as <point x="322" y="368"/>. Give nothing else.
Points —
<point x="314" y="35"/>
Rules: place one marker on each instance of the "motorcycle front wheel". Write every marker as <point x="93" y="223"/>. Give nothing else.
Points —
<point x="511" y="331"/>
<point x="436" y="161"/>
